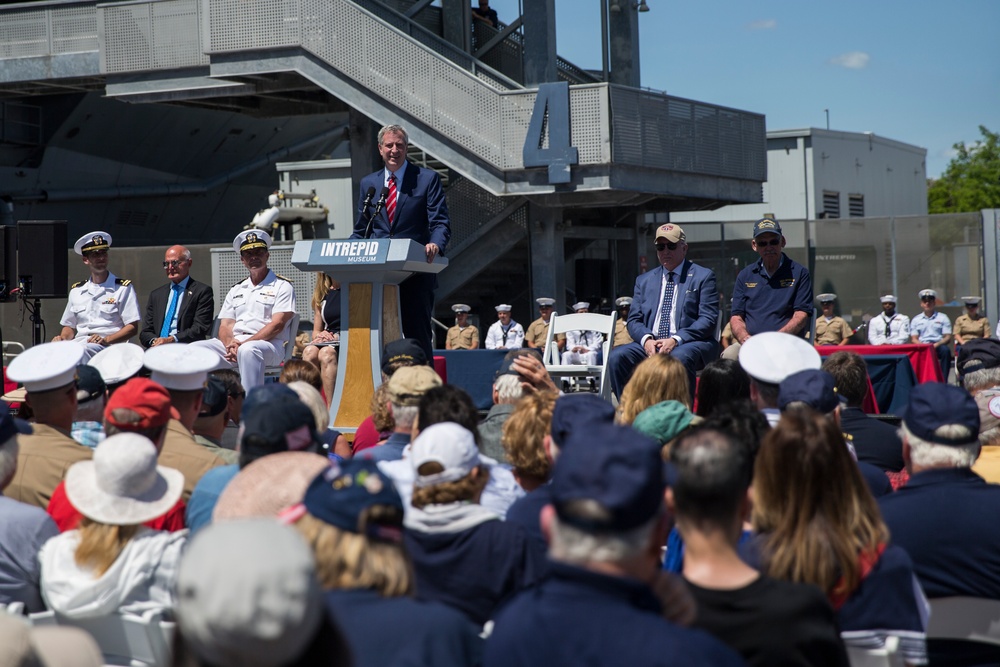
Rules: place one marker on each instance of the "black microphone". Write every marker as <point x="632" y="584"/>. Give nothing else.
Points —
<point x="368" y="200"/>
<point x="378" y="207"/>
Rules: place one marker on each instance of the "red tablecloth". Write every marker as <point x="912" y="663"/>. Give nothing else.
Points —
<point x="922" y="356"/>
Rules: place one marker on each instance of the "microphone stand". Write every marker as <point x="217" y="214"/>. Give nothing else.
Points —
<point x="378" y="208"/>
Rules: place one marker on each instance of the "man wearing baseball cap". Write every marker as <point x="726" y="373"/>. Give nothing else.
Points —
<point x="406" y="386"/>
<point x="773" y="294"/>
<point x="104" y="309"/>
<point x="943" y="516"/>
<point x="675" y="311"/>
<point x="253" y="322"/>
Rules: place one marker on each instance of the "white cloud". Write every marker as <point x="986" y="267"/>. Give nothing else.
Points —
<point x="762" y="24"/>
<point x="852" y="60"/>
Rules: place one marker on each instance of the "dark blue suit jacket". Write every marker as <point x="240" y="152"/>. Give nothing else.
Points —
<point x="697" y="313"/>
<point x="421" y="210"/>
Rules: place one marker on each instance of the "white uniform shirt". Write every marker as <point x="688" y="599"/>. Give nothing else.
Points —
<point x="494" y="336"/>
<point x="101" y="309"/>
<point x="252" y="306"/>
<point x="897" y="326"/>
<point x="591" y="340"/>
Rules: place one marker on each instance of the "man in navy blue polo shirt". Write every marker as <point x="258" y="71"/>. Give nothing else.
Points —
<point x="605" y="527"/>
<point x="773" y="294"/>
<point x="945" y="515"/>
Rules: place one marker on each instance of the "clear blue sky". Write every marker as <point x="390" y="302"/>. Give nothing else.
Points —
<point x="919" y="71"/>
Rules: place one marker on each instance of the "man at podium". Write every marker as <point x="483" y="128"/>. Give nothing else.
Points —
<point x="405" y="201"/>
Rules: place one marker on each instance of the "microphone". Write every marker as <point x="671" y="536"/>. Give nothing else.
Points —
<point x="368" y="199"/>
<point x="378" y="207"/>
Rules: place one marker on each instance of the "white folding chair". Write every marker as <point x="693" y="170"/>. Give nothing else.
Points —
<point x="966" y="618"/>
<point x="560" y="324"/>
<point x="136" y="641"/>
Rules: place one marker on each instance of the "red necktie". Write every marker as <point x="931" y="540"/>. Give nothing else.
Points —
<point x="390" y="203"/>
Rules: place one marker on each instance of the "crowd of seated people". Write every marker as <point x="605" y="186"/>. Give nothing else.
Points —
<point x="753" y="529"/>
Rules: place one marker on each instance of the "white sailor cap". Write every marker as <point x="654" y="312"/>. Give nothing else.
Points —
<point x="545" y="301"/>
<point x="117" y="363"/>
<point x="971" y="300"/>
<point x="888" y="298"/>
<point x="928" y="292"/>
<point x="503" y="308"/>
<point x="581" y="305"/>
<point x="92" y="241"/>
<point x="623" y="301"/>
<point x="47" y="366"/>
<point x="827" y="297"/>
<point x="250" y="239"/>
<point x="772" y="356"/>
<point x="180" y="366"/>
<point x="461" y="308"/>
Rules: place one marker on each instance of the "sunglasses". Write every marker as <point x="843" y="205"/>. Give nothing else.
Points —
<point x="926" y="298"/>
<point x="173" y="263"/>
<point x="767" y="243"/>
<point x="660" y="247"/>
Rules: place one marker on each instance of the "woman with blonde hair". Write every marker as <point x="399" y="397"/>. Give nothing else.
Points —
<point x="111" y="563"/>
<point x="659" y="378"/>
<point x="321" y="352"/>
<point x="352" y="517"/>
<point x="523" y="439"/>
<point x="819" y="524"/>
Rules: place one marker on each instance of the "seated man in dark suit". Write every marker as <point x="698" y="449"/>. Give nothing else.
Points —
<point x="675" y="311"/>
<point x="414" y="208"/>
<point x="180" y="311"/>
<point x="875" y="442"/>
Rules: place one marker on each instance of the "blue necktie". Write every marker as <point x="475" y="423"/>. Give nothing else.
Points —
<point x="175" y="296"/>
<point x="668" y="298"/>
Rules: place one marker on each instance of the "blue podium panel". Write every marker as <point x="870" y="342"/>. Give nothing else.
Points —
<point x="473" y="371"/>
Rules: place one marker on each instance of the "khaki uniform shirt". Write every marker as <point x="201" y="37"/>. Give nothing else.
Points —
<point x="181" y="452"/>
<point x="622" y="336"/>
<point x="536" y="333"/>
<point x="969" y="328"/>
<point x="463" y="339"/>
<point x="42" y="462"/>
<point x="987" y="465"/>
<point x="832" y="332"/>
<point x="230" y="456"/>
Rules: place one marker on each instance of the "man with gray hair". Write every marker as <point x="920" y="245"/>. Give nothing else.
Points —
<point x="605" y="527"/>
<point x="943" y="517"/>
<point x="507" y="391"/>
<point x="406" y="386"/>
<point x="23" y="528"/>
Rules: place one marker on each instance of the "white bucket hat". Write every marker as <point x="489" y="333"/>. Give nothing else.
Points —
<point x="122" y="485"/>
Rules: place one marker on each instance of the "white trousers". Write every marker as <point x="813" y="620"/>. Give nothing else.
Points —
<point x="579" y="358"/>
<point x="252" y="358"/>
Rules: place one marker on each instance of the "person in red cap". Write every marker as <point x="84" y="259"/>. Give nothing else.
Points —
<point x="139" y="406"/>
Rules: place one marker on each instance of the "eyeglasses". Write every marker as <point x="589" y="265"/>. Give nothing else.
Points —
<point x="660" y="247"/>
<point x="173" y="263"/>
<point x="762" y="244"/>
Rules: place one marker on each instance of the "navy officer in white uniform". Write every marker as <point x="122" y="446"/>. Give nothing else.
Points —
<point x="253" y="327"/>
<point x="102" y="310"/>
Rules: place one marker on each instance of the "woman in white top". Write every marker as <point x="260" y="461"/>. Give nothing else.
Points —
<point x="111" y="563"/>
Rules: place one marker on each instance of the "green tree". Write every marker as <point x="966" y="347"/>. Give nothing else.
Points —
<point x="972" y="180"/>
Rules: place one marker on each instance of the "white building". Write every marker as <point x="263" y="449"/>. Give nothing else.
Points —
<point x="815" y="174"/>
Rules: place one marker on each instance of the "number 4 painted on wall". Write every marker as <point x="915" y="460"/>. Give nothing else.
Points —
<point x="552" y="111"/>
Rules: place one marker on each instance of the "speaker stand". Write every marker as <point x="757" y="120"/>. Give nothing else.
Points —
<point x="37" y="324"/>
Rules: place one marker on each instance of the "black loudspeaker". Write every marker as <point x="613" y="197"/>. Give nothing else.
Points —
<point x="41" y="254"/>
<point x="8" y="262"/>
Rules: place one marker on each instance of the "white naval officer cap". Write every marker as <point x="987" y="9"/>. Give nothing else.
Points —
<point x="928" y="292"/>
<point x="623" y="301"/>
<point x="503" y="308"/>
<point x="827" y="297"/>
<point x="461" y="308"/>
<point x="971" y="300"/>
<point x="180" y="366"/>
<point x="545" y="301"/>
<point x="772" y="356"/>
<point x="888" y="298"/>
<point x="46" y="366"/>
<point x="117" y="363"/>
<point x="92" y="241"/>
<point x="581" y="305"/>
<point x="250" y="239"/>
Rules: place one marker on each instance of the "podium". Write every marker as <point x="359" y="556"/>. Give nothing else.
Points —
<point x="369" y="272"/>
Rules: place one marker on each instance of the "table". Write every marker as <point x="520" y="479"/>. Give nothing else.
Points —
<point x="893" y="370"/>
